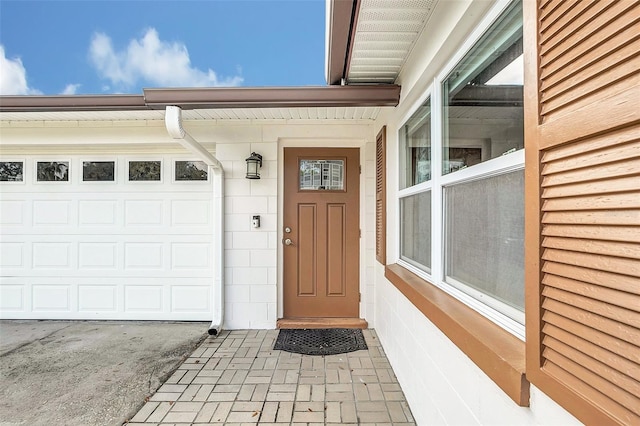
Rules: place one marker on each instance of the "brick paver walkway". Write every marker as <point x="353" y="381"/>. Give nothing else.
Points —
<point x="237" y="378"/>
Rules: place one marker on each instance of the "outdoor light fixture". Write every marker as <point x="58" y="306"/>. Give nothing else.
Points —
<point x="253" y="163"/>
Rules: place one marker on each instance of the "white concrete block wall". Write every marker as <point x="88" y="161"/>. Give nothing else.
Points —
<point x="442" y="385"/>
<point x="251" y="256"/>
<point x="368" y="243"/>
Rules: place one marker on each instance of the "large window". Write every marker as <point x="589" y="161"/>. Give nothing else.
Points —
<point x="461" y="195"/>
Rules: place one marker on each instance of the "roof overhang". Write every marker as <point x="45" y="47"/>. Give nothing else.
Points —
<point x="341" y="24"/>
<point x="369" y="41"/>
<point x="275" y="97"/>
<point x="71" y="103"/>
<point x="212" y="97"/>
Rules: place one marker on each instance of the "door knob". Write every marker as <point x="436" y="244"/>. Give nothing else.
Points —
<point x="288" y="242"/>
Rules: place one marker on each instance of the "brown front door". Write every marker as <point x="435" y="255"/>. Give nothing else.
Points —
<point x="321" y="235"/>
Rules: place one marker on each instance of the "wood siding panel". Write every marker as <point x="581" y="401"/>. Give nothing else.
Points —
<point x="607" y="248"/>
<point x="598" y="338"/>
<point x="608" y="140"/>
<point x="600" y="232"/>
<point x="612" y="217"/>
<point x="381" y="196"/>
<point x="582" y="148"/>
<point x="597" y="369"/>
<point x="622" y="283"/>
<point x="601" y="171"/>
<point x="589" y="382"/>
<point x="593" y="159"/>
<point x="623" y="38"/>
<point x="588" y="45"/>
<point x="631" y="183"/>
<point x="604" y="355"/>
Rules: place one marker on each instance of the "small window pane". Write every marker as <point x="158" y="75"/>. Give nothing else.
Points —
<point x="145" y="170"/>
<point x="98" y="171"/>
<point x="484" y="237"/>
<point x="415" y="230"/>
<point x="52" y="171"/>
<point x="11" y="171"/>
<point x="483" y="112"/>
<point x="191" y="170"/>
<point x="415" y="140"/>
<point x="322" y="175"/>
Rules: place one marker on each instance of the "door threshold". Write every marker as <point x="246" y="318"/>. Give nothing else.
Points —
<point x="322" y="323"/>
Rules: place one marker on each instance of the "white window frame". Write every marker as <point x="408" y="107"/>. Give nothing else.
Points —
<point x="510" y="318"/>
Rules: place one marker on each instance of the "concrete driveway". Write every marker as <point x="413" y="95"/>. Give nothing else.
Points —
<point x="87" y="372"/>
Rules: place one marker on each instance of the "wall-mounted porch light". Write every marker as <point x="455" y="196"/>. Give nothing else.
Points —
<point x="254" y="162"/>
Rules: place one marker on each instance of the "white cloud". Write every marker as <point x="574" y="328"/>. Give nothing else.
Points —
<point x="71" y="89"/>
<point x="151" y="60"/>
<point x="13" y="77"/>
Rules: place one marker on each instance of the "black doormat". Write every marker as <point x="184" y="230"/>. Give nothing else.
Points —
<point x="320" y="341"/>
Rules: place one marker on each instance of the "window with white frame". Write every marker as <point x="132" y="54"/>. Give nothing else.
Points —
<point x="461" y="198"/>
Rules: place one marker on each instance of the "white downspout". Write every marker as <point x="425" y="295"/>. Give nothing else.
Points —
<point x="173" y="123"/>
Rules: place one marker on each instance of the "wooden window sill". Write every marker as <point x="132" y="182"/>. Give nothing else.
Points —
<point x="497" y="352"/>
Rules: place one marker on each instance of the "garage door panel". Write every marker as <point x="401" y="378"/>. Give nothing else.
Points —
<point x="12" y="212"/>
<point x="190" y="212"/>
<point x="97" y="212"/>
<point x="51" y="297"/>
<point x="147" y="255"/>
<point x="106" y="298"/>
<point x="12" y="255"/>
<point x="53" y="212"/>
<point x="97" y="255"/>
<point x="98" y="298"/>
<point x="52" y="255"/>
<point x="136" y="257"/>
<point x="144" y="213"/>
<point x="148" y="298"/>
<point x="190" y="298"/>
<point x="106" y="250"/>
<point x="12" y="298"/>
<point x="191" y="255"/>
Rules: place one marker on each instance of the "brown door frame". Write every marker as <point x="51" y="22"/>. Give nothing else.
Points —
<point x="354" y="242"/>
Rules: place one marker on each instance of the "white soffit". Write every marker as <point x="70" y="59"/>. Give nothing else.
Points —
<point x="219" y="114"/>
<point x="386" y="32"/>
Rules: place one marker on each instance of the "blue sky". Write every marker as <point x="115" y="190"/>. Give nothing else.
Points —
<point x="99" y="47"/>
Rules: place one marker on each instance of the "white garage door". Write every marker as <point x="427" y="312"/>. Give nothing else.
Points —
<point x="96" y="237"/>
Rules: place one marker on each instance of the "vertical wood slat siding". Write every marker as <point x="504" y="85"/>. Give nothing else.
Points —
<point x="381" y="197"/>
<point x="582" y="130"/>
